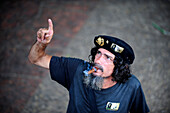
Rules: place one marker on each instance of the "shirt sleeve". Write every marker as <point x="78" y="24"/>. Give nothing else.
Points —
<point x="63" y="69"/>
<point x="139" y="104"/>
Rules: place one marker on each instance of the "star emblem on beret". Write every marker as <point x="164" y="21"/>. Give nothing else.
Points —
<point x="107" y="41"/>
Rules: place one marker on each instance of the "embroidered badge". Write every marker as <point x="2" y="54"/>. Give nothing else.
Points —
<point x="112" y="106"/>
<point x="116" y="48"/>
<point x="100" y="41"/>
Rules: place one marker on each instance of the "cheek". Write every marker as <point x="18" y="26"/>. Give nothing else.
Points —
<point x="109" y="69"/>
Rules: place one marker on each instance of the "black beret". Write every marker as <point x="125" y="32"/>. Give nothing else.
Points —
<point x="116" y="46"/>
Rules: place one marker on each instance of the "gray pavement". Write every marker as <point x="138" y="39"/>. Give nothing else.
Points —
<point x="131" y="21"/>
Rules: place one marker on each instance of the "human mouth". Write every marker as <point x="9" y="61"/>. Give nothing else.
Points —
<point x="94" y="69"/>
<point x="98" y="67"/>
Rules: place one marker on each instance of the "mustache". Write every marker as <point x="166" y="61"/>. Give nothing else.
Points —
<point x="98" y="66"/>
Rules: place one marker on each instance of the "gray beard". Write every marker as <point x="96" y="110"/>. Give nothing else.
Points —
<point x="95" y="82"/>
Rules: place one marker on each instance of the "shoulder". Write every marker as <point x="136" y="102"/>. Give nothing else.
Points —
<point x="134" y="82"/>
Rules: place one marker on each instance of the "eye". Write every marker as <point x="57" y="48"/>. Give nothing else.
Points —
<point x="108" y="58"/>
<point x="98" y="52"/>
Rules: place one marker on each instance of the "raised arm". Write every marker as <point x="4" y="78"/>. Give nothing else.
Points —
<point x="37" y="53"/>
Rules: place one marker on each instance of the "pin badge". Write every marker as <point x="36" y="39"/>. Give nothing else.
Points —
<point x="112" y="106"/>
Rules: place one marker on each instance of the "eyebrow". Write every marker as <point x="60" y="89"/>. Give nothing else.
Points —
<point x="108" y="56"/>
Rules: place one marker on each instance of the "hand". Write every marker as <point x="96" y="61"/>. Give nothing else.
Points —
<point x="45" y="35"/>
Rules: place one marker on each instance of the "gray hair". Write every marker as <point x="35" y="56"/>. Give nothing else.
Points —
<point x="95" y="82"/>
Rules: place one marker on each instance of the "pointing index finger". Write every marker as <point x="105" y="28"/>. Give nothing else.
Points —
<point x="50" y="23"/>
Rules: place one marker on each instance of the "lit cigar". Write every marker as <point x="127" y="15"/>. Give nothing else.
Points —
<point x="94" y="69"/>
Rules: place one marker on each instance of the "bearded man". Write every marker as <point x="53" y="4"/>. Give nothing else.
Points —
<point x="102" y="85"/>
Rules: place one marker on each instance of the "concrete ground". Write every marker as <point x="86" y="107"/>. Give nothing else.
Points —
<point x="26" y="88"/>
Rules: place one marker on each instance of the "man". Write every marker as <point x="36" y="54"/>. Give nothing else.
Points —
<point x="102" y="85"/>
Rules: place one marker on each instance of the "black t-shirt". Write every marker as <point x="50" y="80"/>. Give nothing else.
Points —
<point x="121" y="98"/>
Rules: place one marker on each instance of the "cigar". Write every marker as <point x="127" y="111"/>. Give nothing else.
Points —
<point x="93" y="70"/>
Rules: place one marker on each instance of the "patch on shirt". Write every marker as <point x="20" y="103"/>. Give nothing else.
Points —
<point x="112" y="106"/>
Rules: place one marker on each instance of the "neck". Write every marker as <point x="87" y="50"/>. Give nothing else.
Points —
<point x="108" y="82"/>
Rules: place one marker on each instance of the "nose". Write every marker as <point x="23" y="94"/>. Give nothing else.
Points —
<point x="99" y="59"/>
